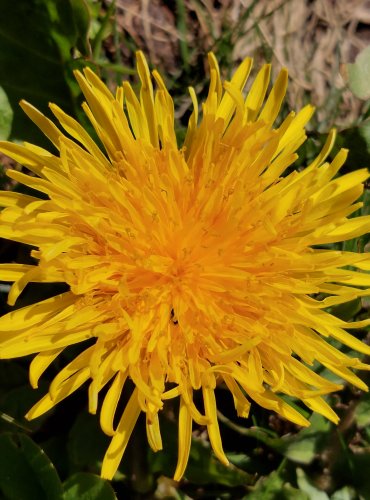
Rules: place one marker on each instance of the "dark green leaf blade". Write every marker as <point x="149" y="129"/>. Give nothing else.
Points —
<point x="31" y="64"/>
<point x="85" y="486"/>
<point x="6" y="116"/>
<point x="25" y="471"/>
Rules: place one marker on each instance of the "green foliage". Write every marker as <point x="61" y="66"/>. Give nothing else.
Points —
<point x="357" y="141"/>
<point x="359" y="74"/>
<point x="84" y="452"/>
<point x="6" y="116"/>
<point x="25" y="471"/>
<point x="42" y="42"/>
<point x="305" y="485"/>
<point x="82" y="20"/>
<point x="86" y="486"/>
<point x="275" y="488"/>
<point x="203" y="468"/>
<point x="37" y="58"/>
<point x="31" y="63"/>
<point x="345" y="493"/>
<point x="304" y="446"/>
<point x="17" y="401"/>
<point x="362" y="411"/>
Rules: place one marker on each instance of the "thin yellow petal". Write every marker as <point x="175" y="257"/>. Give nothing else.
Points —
<point x="227" y="104"/>
<point x="47" y="126"/>
<point x="324" y="153"/>
<point x="40" y="363"/>
<point x="153" y="432"/>
<point x="70" y="386"/>
<point x="212" y="427"/>
<point x="322" y="407"/>
<point x="257" y="93"/>
<point x="147" y="97"/>
<point x="119" y="441"/>
<point x="184" y="440"/>
<point x="275" y="98"/>
<point x="110" y="403"/>
<point x="35" y="314"/>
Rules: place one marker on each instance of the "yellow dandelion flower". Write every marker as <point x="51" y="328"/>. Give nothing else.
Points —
<point x="188" y="266"/>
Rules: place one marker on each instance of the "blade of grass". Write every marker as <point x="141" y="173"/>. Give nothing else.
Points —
<point x="181" y="26"/>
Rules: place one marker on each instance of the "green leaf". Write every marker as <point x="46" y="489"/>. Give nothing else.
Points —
<point x="70" y="20"/>
<point x="82" y="19"/>
<point x="31" y="63"/>
<point x="240" y="460"/>
<point x="267" y="487"/>
<point x="87" y="443"/>
<point x="16" y="402"/>
<point x="6" y="116"/>
<point x="359" y="74"/>
<point x="345" y="493"/>
<point x="359" y="473"/>
<point x="61" y="25"/>
<point x="56" y="449"/>
<point x="362" y="411"/>
<point x="359" y="244"/>
<point x="306" y="485"/>
<point x="85" y="486"/>
<point x="348" y="310"/>
<point x="25" y="471"/>
<point x="357" y="141"/>
<point x="301" y="447"/>
<point x="205" y="468"/>
<point x="304" y="446"/>
<point x="12" y="374"/>
<point x="273" y="488"/>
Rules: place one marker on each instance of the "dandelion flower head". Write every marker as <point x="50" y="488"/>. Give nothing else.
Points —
<point x="189" y="265"/>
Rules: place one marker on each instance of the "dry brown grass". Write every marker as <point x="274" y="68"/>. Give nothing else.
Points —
<point x="312" y="38"/>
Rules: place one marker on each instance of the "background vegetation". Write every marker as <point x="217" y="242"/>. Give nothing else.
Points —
<point x="323" y="44"/>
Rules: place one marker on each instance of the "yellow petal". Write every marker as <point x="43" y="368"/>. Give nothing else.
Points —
<point x="40" y="363"/>
<point x="322" y="407"/>
<point x="275" y="98"/>
<point x="119" y="441"/>
<point x="35" y="314"/>
<point x="110" y="403"/>
<point x="212" y="426"/>
<point x="147" y="97"/>
<point x="227" y="104"/>
<point x="153" y="432"/>
<point x="68" y="387"/>
<point x="184" y="440"/>
<point x="257" y="93"/>
<point x="47" y="126"/>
